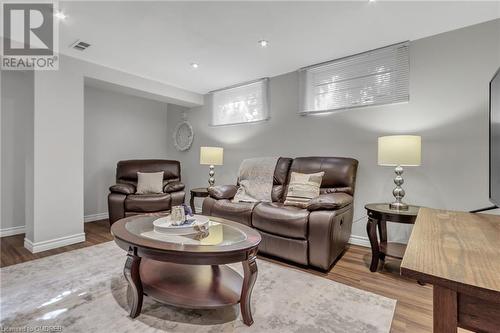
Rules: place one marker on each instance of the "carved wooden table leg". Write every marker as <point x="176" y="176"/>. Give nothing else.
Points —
<point x="191" y="203"/>
<point x="131" y="272"/>
<point x="250" y="275"/>
<point x="382" y="231"/>
<point x="371" y="229"/>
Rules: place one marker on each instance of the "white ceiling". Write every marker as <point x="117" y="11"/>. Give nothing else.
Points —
<point x="159" y="40"/>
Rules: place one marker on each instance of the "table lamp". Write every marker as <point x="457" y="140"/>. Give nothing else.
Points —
<point x="211" y="156"/>
<point x="399" y="151"/>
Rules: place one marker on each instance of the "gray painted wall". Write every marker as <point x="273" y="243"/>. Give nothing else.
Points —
<point x="54" y="199"/>
<point x="16" y="143"/>
<point x="448" y="107"/>
<point x="118" y="127"/>
<point x="57" y="219"/>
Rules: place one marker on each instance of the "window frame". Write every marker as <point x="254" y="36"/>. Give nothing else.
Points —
<point x="305" y="86"/>
<point x="265" y="102"/>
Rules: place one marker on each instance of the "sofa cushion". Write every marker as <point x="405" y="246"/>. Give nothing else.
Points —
<point x="177" y="198"/>
<point x="149" y="182"/>
<point x="147" y="202"/>
<point x="127" y="170"/>
<point x="173" y="186"/>
<point x="278" y="219"/>
<point x="122" y="188"/>
<point x="330" y="201"/>
<point x="222" y="191"/>
<point x="340" y="172"/>
<point x="284" y="247"/>
<point x="280" y="177"/>
<point x="235" y="211"/>
<point x="302" y="188"/>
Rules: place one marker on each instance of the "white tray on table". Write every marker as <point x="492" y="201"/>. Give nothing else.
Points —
<point x="164" y="225"/>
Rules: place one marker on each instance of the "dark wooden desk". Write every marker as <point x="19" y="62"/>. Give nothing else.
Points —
<point x="459" y="253"/>
<point x="378" y="215"/>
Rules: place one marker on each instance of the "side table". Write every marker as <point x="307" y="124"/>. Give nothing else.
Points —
<point x="200" y="192"/>
<point x="378" y="215"/>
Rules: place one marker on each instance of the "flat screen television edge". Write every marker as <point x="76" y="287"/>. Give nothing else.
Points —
<point x="494" y="143"/>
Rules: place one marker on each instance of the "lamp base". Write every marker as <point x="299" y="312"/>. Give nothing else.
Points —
<point x="211" y="176"/>
<point x="398" y="191"/>
<point x="398" y="206"/>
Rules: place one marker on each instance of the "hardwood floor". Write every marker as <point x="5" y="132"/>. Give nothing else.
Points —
<point x="413" y="310"/>
<point x="12" y="250"/>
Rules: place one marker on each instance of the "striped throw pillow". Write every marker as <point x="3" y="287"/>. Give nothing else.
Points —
<point x="302" y="188"/>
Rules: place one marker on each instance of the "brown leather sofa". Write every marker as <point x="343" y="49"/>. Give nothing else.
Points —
<point x="122" y="201"/>
<point x="313" y="236"/>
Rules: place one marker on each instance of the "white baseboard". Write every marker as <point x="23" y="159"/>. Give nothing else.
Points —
<point x="359" y="240"/>
<point x="53" y="243"/>
<point x="12" y="231"/>
<point x="95" y="217"/>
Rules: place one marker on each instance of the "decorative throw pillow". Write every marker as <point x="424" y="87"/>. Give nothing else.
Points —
<point x="149" y="182"/>
<point x="302" y="188"/>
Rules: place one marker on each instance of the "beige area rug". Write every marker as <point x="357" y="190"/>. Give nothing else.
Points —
<point x="85" y="291"/>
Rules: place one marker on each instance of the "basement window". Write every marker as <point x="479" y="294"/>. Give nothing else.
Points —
<point x="374" y="77"/>
<point x="239" y="104"/>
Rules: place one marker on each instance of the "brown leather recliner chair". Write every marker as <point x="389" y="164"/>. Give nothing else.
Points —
<point x="316" y="235"/>
<point x="122" y="201"/>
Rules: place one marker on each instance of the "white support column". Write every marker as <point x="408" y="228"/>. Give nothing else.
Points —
<point x="57" y="218"/>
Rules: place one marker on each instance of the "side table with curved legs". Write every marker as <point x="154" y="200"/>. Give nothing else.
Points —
<point x="378" y="215"/>
<point x="200" y="192"/>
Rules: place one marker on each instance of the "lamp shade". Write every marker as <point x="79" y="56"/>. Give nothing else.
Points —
<point x="211" y="155"/>
<point x="404" y="150"/>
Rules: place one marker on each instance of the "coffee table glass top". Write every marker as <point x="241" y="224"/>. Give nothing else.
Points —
<point x="219" y="234"/>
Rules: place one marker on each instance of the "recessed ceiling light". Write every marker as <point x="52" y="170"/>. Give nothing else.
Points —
<point x="263" y="43"/>
<point x="194" y="65"/>
<point x="60" y="15"/>
<point x="371" y="0"/>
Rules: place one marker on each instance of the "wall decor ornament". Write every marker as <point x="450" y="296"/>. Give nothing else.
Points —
<point x="183" y="135"/>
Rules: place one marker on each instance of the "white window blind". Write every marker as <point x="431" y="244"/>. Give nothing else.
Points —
<point x="375" y="77"/>
<point x="243" y="103"/>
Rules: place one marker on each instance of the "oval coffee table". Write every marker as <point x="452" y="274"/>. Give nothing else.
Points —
<point x="185" y="271"/>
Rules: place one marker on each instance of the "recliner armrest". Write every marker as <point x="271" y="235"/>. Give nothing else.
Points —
<point x="330" y="201"/>
<point x="222" y="191"/>
<point x="122" y="188"/>
<point x="173" y="187"/>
